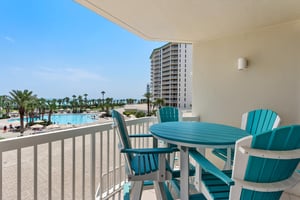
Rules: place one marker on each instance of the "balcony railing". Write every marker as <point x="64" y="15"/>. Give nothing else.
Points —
<point x="66" y="164"/>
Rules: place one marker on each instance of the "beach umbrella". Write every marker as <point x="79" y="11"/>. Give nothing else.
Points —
<point x="37" y="126"/>
<point x="52" y="126"/>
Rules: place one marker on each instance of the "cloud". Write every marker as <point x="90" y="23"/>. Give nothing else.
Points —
<point x="9" y="39"/>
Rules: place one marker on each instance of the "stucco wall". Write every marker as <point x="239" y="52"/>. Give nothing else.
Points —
<point x="221" y="93"/>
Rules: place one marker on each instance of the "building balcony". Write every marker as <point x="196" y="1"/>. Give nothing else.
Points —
<point x="71" y="164"/>
<point x="66" y="164"/>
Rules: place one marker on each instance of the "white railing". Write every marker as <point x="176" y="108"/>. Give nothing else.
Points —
<point x="66" y="164"/>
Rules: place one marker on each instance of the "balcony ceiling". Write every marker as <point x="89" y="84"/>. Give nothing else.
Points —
<point x="194" y="20"/>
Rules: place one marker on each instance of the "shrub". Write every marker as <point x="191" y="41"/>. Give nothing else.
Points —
<point x="127" y="113"/>
<point x="139" y="114"/>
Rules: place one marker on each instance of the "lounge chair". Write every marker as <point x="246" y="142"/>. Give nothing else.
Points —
<point x="254" y="122"/>
<point x="264" y="166"/>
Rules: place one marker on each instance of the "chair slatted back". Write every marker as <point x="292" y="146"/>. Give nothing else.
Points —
<point x="168" y="114"/>
<point x="123" y="134"/>
<point x="271" y="170"/>
<point x="259" y="121"/>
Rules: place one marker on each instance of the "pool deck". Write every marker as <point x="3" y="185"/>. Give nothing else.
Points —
<point x="10" y="134"/>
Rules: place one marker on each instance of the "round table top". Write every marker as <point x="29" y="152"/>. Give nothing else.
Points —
<point x="197" y="134"/>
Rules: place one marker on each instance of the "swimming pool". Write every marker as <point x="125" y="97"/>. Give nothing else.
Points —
<point x="72" y="118"/>
<point x="68" y="118"/>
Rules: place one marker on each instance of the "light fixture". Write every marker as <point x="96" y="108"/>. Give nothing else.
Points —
<point x="242" y="63"/>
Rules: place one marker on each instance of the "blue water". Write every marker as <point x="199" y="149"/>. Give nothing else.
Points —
<point x="68" y="118"/>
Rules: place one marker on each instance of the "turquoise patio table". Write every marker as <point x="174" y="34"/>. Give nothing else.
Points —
<point x="198" y="135"/>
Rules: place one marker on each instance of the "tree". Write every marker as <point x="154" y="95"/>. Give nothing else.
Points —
<point x="74" y="104"/>
<point x="159" y="102"/>
<point x="103" y="92"/>
<point x="148" y="95"/>
<point x="67" y="101"/>
<point x="6" y="104"/>
<point x="129" y="101"/>
<point x="52" y="107"/>
<point x="42" y="107"/>
<point x="31" y="106"/>
<point x="80" y="102"/>
<point x="85" y="100"/>
<point x="59" y="101"/>
<point x="21" y="98"/>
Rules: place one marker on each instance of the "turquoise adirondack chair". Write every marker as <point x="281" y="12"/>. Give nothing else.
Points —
<point x="169" y="114"/>
<point x="254" y="122"/>
<point x="264" y="166"/>
<point x="147" y="164"/>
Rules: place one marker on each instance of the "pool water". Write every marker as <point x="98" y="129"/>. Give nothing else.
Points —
<point x="68" y="118"/>
<point x="72" y="118"/>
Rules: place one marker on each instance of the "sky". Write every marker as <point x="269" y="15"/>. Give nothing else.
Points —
<point x="58" y="48"/>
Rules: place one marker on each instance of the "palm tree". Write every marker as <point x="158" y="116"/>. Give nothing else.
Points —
<point x="80" y="102"/>
<point x="85" y="100"/>
<point x="6" y="104"/>
<point x="148" y="95"/>
<point x="129" y="101"/>
<point x="59" y="101"/>
<point x="67" y="101"/>
<point x="21" y="98"/>
<point x="30" y="110"/>
<point x="103" y="92"/>
<point x="159" y="102"/>
<point x="52" y="107"/>
<point x="42" y="107"/>
<point x="74" y="104"/>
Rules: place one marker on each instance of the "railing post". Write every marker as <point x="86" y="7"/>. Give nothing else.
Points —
<point x="35" y="174"/>
<point x="83" y="167"/>
<point x="73" y="167"/>
<point x="1" y="175"/>
<point x="19" y="178"/>
<point x="62" y="170"/>
<point x="50" y="171"/>
<point x="93" y="168"/>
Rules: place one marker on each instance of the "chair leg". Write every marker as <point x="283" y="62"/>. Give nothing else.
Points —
<point x="172" y="160"/>
<point x="160" y="190"/>
<point x="136" y="190"/>
<point x="227" y="165"/>
<point x="98" y="193"/>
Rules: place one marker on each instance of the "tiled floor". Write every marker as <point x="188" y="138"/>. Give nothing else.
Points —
<point x="150" y="194"/>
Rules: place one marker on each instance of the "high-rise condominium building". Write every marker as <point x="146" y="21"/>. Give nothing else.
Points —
<point x="171" y="75"/>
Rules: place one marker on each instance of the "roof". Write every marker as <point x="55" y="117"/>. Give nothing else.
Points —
<point x="194" y="20"/>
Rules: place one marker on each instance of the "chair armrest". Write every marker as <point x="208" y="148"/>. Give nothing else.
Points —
<point x="270" y="187"/>
<point x="283" y="155"/>
<point x="140" y="135"/>
<point x="149" y="150"/>
<point x="211" y="168"/>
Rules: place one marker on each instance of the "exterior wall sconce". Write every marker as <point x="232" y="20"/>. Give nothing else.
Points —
<point x="242" y="63"/>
